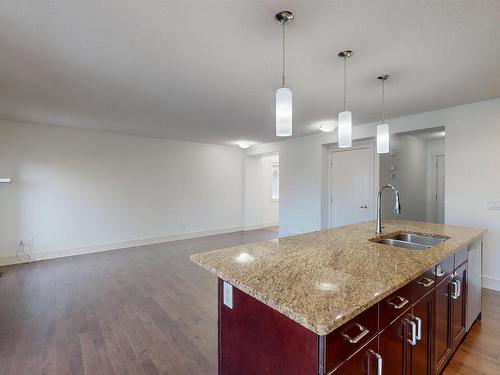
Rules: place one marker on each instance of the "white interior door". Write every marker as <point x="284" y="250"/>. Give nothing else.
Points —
<point x="351" y="186"/>
<point x="440" y="181"/>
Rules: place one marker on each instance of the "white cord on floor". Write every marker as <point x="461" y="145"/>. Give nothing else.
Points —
<point x="22" y="254"/>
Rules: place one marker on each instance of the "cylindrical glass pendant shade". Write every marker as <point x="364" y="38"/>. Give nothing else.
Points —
<point x="383" y="138"/>
<point x="345" y="129"/>
<point x="283" y="112"/>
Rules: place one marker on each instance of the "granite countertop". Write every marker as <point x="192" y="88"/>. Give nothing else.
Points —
<point x="323" y="279"/>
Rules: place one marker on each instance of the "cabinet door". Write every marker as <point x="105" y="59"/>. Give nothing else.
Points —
<point x="363" y="362"/>
<point x="459" y="295"/>
<point x="394" y="346"/>
<point x="422" y="355"/>
<point x="443" y="343"/>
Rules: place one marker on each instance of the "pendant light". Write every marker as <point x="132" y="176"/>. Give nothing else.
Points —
<point x="283" y="94"/>
<point x="345" y="117"/>
<point x="383" y="128"/>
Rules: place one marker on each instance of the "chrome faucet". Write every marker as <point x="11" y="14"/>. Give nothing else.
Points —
<point x="397" y="206"/>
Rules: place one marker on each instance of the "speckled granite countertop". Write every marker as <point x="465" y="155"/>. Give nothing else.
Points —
<point x="323" y="279"/>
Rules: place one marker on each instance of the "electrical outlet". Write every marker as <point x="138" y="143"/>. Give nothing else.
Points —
<point x="493" y="205"/>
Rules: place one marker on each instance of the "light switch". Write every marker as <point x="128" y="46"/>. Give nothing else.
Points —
<point x="493" y="205"/>
<point x="228" y="295"/>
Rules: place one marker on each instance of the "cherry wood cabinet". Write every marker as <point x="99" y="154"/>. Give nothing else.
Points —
<point x="394" y="346"/>
<point x="422" y="354"/>
<point x="451" y="307"/>
<point x="365" y="361"/>
<point x="442" y="337"/>
<point x="459" y="307"/>
<point x="413" y="331"/>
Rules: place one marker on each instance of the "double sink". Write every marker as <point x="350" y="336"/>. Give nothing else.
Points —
<point x="412" y="241"/>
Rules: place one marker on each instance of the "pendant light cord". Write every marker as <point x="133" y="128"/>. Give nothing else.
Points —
<point x="345" y="83"/>
<point x="283" y="57"/>
<point x="383" y="101"/>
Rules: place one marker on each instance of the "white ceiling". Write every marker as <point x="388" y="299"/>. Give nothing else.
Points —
<point x="207" y="70"/>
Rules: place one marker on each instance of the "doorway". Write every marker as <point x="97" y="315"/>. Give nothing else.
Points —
<point x="439" y="166"/>
<point x="261" y="199"/>
<point x="352" y="185"/>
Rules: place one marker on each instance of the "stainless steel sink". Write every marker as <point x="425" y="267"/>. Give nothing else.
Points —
<point x="405" y="244"/>
<point x="419" y="238"/>
<point x="411" y="241"/>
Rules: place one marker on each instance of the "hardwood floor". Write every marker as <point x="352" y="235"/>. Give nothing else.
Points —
<point x="144" y="310"/>
<point x="147" y="310"/>
<point x="480" y="351"/>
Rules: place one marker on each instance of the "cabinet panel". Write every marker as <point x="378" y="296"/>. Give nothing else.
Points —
<point x="255" y="339"/>
<point x="347" y="339"/>
<point x="364" y="362"/>
<point x="422" y="354"/>
<point x="423" y="284"/>
<point x="442" y="342"/>
<point x="461" y="256"/>
<point x="444" y="268"/>
<point x="394" y="305"/>
<point x="459" y="295"/>
<point x="394" y="347"/>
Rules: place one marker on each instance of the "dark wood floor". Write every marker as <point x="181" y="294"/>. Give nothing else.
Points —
<point x="146" y="310"/>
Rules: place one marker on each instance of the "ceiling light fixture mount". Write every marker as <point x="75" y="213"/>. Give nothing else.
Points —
<point x="284" y="16"/>
<point x="346" y="53"/>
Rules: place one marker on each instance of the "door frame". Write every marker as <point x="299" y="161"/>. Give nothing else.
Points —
<point x="433" y="184"/>
<point x="374" y="166"/>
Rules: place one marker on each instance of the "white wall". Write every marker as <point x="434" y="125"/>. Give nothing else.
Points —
<point x="409" y="157"/>
<point x="270" y="208"/>
<point x="473" y="160"/>
<point x="259" y="210"/>
<point x="79" y="189"/>
<point x="435" y="147"/>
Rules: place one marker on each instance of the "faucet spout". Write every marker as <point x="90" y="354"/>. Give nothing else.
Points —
<point x="397" y="205"/>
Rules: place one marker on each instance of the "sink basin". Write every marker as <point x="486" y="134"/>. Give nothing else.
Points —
<point x="405" y="244"/>
<point x="412" y="241"/>
<point x="419" y="238"/>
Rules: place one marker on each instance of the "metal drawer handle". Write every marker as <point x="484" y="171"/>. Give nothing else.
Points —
<point x="355" y="340"/>
<point x="419" y="328"/>
<point x="401" y="304"/>
<point x="426" y="282"/>
<point x="379" y="361"/>
<point x="458" y="289"/>
<point x="455" y="293"/>
<point x="439" y="271"/>
<point x="413" y="338"/>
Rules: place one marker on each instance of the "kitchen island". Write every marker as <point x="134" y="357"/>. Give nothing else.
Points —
<point x="335" y="301"/>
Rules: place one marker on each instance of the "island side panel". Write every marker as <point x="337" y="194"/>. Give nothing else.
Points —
<point x="255" y="339"/>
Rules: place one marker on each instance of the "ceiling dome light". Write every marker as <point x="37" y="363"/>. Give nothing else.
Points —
<point x="345" y="117"/>
<point x="244" y="144"/>
<point x="327" y="127"/>
<point x="383" y="128"/>
<point x="283" y="94"/>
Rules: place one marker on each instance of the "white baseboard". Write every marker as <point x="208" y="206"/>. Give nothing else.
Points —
<point x="490" y="282"/>
<point x="4" y="261"/>
<point x="259" y="226"/>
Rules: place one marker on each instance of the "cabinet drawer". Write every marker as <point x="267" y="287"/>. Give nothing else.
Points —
<point x="364" y="362"/>
<point x="423" y="284"/>
<point x="461" y="257"/>
<point x="444" y="268"/>
<point x="351" y="336"/>
<point x="394" y="305"/>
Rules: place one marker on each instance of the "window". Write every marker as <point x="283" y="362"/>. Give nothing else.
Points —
<point x="275" y="181"/>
